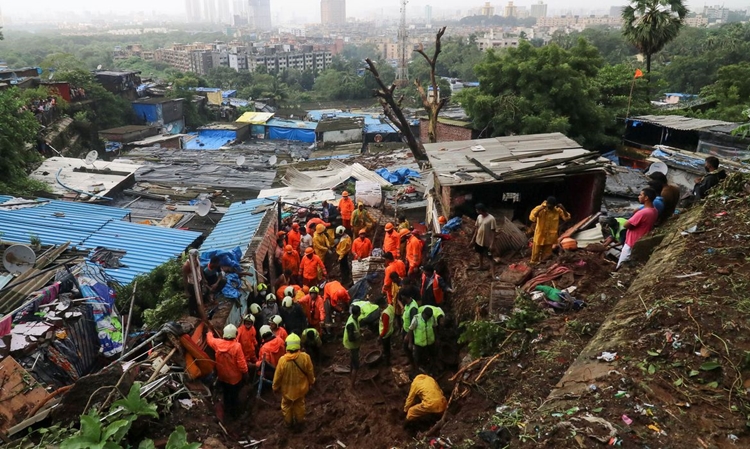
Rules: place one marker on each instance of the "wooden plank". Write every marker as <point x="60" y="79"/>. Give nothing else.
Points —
<point x="19" y="393"/>
<point x="170" y="220"/>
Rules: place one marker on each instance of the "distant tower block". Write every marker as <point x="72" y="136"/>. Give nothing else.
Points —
<point x="402" y="71"/>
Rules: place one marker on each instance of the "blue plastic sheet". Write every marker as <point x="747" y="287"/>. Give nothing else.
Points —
<point x="227" y="258"/>
<point x="232" y="287"/>
<point x="398" y="176"/>
<point x="300" y="135"/>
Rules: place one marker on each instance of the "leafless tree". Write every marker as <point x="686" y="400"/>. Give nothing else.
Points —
<point x="392" y="110"/>
<point x="432" y="105"/>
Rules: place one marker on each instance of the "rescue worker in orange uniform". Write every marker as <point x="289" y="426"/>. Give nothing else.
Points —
<point x="311" y="267"/>
<point x="336" y="298"/>
<point x="433" y="287"/>
<point x="391" y="240"/>
<point x="270" y="351"/>
<point x="312" y="305"/>
<point x="346" y="207"/>
<point x="403" y="238"/>
<point x="248" y="339"/>
<point x="392" y="265"/>
<point x="414" y="249"/>
<point x="362" y="246"/>
<point x="290" y="260"/>
<point x="231" y="366"/>
<point x="425" y="399"/>
<point x="293" y="237"/>
<point x="293" y="378"/>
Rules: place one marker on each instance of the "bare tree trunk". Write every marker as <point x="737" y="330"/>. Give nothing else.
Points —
<point x="432" y="105"/>
<point x="392" y="110"/>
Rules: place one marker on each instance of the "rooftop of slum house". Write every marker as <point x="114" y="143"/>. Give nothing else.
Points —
<point x="375" y="123"/>
<point x="69" y="177"/>
<point x="214" y="136"/>
<point x="340" y="124"/>
<point x="255" y="118"/>
<point x="239" y="225"/>
<point x="156" y="100"/>
<point x="89" y="226"/>
<point x="217" y="169"/>
<point x="116" y="72"/>
<point x="224" y="93"/>
<point x="127" y="129"/>
<point x="294" y="124"/>
<point x="500" y="157"/>
<point x="682" y="123"/>
<point x="229" y="126"/>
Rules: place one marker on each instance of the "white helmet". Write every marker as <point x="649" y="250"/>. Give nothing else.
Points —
<point x="289" y="291"/>
<point x="254" y="309"/>
<point x="270" y="297"/>
<point x="286" y="302"/>
<point x="277" y="320"/>
<point x="265" y="330"/>
<point x="230" y="331"/>
<point x="340" y="230"/>
<point x="249" y="317"/>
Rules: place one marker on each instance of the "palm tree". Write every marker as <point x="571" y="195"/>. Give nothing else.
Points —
<point x="651" y="24"/>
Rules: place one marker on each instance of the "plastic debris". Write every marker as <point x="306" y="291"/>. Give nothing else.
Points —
<point x="627" y="420"/>
<point x="622" y="394"/>
<point x="732" y="438"/>
<point x="607" y="356"/>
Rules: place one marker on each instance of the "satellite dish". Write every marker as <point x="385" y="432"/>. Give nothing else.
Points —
<point x="204" y="207"/>
<point x="272" y="160"/>
<point x="99" y="67"/>
<point x="91" y="157"/>
<point x="660" y="167"/>
<point x="19" y="259"/>
<point x="240" y="160"/>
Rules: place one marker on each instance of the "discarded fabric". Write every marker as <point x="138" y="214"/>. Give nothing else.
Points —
<point x="398" y="176"/>
<point x="607" y="356"/>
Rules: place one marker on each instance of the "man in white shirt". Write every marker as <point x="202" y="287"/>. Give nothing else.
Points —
<point x="484" y="236"/>
<point x="305" y="240"/>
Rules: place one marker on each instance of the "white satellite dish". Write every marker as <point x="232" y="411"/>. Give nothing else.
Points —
<point x="240" y="160"/>
<point x="204" y="207"/>
<point x="91" y="157"/>
<point x="170" y="127"/>
<point x="99" y="67"/>
<point x="660" y="167"/>
<point x="19" y="259"/>
<point x="272" y="160"/>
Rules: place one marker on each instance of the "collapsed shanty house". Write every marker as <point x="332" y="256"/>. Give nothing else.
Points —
<point x="516" y="173"/>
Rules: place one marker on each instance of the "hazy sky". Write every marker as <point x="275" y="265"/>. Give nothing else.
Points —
<point x="309" y="8"/>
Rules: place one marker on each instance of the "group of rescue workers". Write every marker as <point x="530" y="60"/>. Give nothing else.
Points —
<point x="282" y="335"/>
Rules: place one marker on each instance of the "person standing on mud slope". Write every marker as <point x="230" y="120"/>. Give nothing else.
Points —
<point x="231" y="366"/>
<point x="484" y="236"/>
<point x="293" y="378"/>
<point x="640" y="224"/>
<point x="353" y="341"/>
<point x="547" y="218"/>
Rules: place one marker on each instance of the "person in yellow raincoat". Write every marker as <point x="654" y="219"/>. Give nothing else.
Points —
<point x="293" y="378"/>
<point x="343" y="249"/>
<point x="547" y="217"/>
<point x="361" y="219"/>
<point x="425" y="399"/>
<point x="321" y="242"/>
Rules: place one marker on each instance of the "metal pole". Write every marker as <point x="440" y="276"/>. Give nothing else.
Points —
<point x="130" y="314"/>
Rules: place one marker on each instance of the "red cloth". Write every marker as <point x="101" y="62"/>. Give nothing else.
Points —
<point x="386" y="320"/>
<point x="554" y="272"/>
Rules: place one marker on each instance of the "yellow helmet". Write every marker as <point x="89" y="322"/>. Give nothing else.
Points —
<point x="292" y="342"/>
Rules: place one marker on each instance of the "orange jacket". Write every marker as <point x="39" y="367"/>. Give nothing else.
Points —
<point x="437" y="291"/>
<point x="336" y="293"/>
<point x="391" y="242"/>
<point x="230" y="361"/>
<point x="308" y="267"/>
<point x="248" y="342"/>
<point x="414" y="252"/>
<point x="290" y="261"/>
<point x="272" y="350"/>
<point x="293" y="238"/>
<point x="396" y="266"/>
<point x="361" y="248"/>
<point x="346" y="207"/>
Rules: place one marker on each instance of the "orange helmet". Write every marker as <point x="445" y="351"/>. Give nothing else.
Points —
<point x="362" y="231"/>
<point x="280" y="234"/>
<point x="345" y="193"/>
<point x="306" y="289"/>
<point x="288" y="248"/>
<point x="403" y="232"/>
<point x="308" y="250"/>
<point x="442" y="220"/>
<point x="388" y="226"/>
<point x="295" y="225"/>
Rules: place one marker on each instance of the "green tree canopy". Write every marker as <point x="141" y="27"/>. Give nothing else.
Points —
<point x="17" y="137"/>
<point x="528" y="90"/>
<point x="731" y="92"/>
<point x="651" y="24"/>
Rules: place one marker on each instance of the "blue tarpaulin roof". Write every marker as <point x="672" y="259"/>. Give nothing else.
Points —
<point x="294" y="124"/>
<point x="238" y="226"/>
<point x="90" y="225"/>
<point x="210" y="139"/>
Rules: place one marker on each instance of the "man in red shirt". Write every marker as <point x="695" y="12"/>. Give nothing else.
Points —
<point x="231" y="366"/>
<point x="640" y="224"/>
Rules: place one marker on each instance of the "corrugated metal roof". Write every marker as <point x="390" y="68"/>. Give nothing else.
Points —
<point x="336" y="174"/>
<point x="76" y="221"/>
<point x="146" y="246"/>
<point x="238" y="226"/>
<point x="255" y="118"/>
<point x="499" y="154"/>
<point x="680" y="122"/>
<point x="293" y="124"/>
<point x="88" y="226"/>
